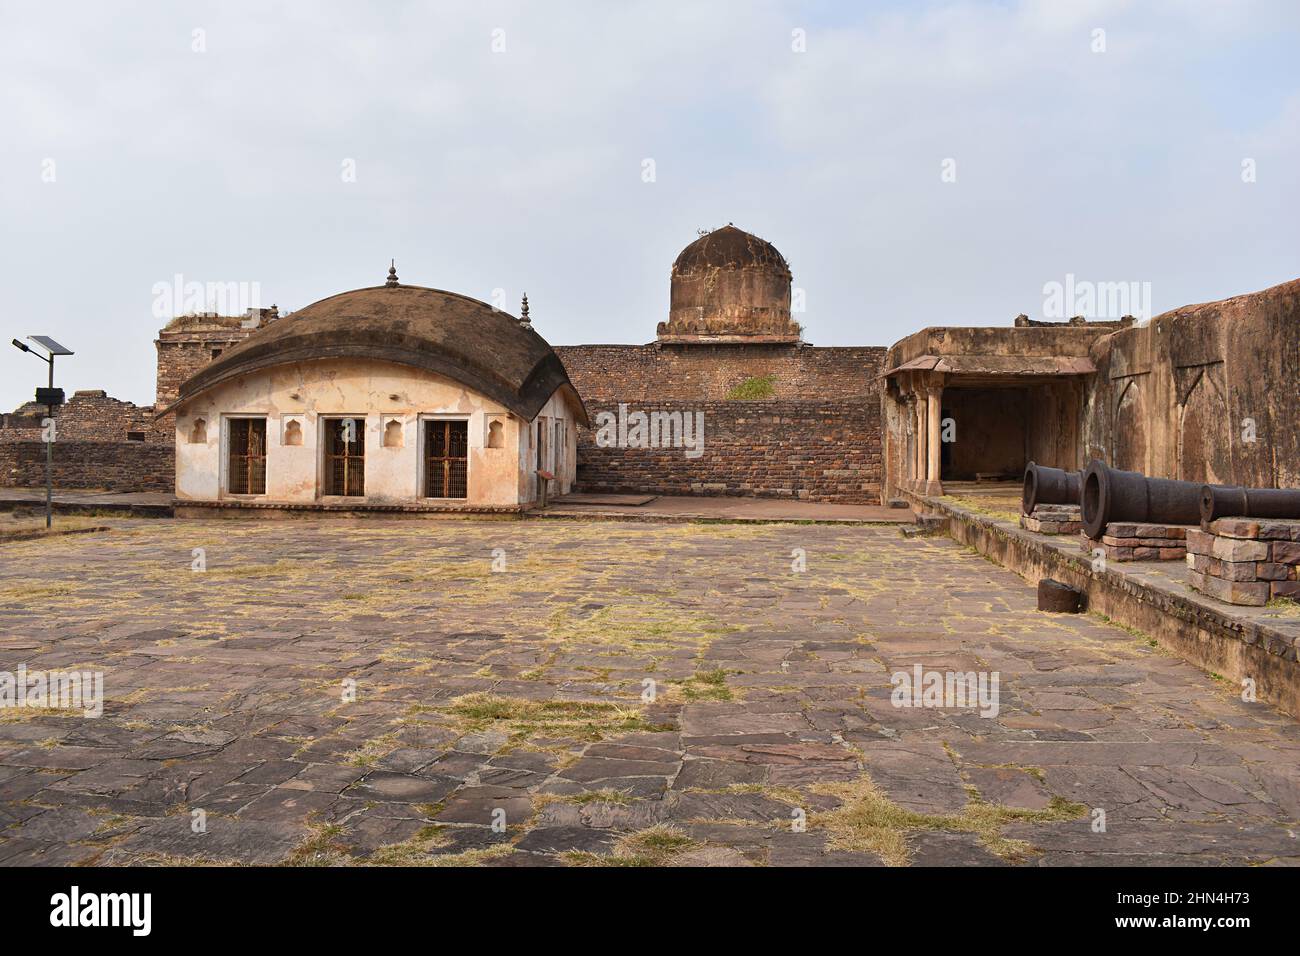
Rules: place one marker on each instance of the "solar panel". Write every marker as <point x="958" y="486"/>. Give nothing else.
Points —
<point x="51" y="346"/>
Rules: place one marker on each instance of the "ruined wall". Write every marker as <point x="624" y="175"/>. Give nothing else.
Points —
<point x="89" y="415"/>
<point x="1203" y="393"/>
<point x="189" y="342"/>
<point x="109" y="465"/>
<point x="817" y="436"/>
<point x="815" y="451"/>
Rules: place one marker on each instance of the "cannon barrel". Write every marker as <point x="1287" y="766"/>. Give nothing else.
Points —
<point x="1113" y="495"/>
<point x="1049" y="486"/>
<point x="1220" y="501"/>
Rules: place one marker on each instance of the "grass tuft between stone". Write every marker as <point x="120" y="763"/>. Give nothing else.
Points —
<point x="578" y="719"/>
<point x="658" y="845"/>
<point x="868" y="820"/>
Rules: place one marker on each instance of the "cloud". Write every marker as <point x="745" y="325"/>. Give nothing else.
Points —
<point x="521" y="169"/>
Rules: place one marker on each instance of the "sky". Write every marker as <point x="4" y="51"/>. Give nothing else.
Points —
<point x="920" y="163"/>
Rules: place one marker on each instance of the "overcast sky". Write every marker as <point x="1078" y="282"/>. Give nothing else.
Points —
<point x="504" y="146"/>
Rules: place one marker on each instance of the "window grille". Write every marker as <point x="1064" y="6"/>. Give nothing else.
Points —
<point x="246" y="471"/>
<point x="446" y="454"/>
<point x="345" y="456"/>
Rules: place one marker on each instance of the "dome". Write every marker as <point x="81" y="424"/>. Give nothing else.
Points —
<point x="729" y="248"/>
<point x="452" y="335"/>
<point x="730" y="286"/>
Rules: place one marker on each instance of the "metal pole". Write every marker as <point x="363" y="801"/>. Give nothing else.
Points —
<point x="49" y="459"/>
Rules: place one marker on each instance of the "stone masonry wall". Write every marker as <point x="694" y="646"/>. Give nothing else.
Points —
<point x="89" y="415"/>
<point x="817" y="437"/>
<point x="112" y="465"/>
<point x="665" y="373"/>
<point x="180" y="357"/>
<point x="815" y="451"/>
<point x="187" y="344"/>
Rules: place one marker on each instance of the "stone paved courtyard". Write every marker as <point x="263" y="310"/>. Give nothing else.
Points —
<point x="518" y="698"/>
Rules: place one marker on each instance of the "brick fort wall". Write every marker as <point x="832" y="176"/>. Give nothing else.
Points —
<point x="89" y="415"/>
<point x="815" y="437"/>
<point x="827" y="451"/>
<point x="111" y="465"/>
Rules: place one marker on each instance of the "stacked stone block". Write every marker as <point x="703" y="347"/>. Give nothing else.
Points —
<point x="1053" y="519"/>
<point x="1245" y="561"/>
<point x="1127" y="541"/>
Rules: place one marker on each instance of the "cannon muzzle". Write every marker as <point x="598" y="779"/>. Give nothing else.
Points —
<point x="1113" y="495"/>
<point x="1049" y="486"/>
<point x="1221" y="501"/>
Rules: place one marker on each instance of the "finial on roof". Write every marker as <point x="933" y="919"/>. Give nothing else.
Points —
<point x="392" y="274"/>
<point x="523" y="312"/>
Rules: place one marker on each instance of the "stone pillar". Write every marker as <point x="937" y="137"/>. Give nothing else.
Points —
<point x="922" y="433"/>
<point x="934" y="407"/>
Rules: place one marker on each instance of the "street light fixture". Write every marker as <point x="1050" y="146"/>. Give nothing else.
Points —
<point x="51" y="398"/>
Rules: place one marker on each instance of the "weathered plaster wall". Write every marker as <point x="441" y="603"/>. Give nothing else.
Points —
<point x="378" y="393"/>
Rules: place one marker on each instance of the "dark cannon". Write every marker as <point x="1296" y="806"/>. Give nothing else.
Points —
<point x="1113" y="495"/>
<point x="1050" y="486"/>
<point x="1221" y="501"/>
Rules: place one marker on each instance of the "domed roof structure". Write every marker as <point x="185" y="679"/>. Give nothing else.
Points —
<point x="730" y="286"/>
<point x="729" y="247"/>
<point x="452" y="335"/>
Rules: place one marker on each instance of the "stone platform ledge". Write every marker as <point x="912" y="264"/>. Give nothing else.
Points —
<point x="695" y="509"/>
<point x="11" y="536"/>
<point x="127" y="504"/>
<point x="1151" y="596"/>
<point x="272" y="509"/>
<point x="658" y="518"/>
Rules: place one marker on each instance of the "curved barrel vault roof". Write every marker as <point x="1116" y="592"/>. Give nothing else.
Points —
<point x="452" y="335"/>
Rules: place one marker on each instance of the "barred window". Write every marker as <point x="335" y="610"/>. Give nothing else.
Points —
<point x="446" y="453"/>
<point x="246" y="470"/>
<point x="345" y="456"/>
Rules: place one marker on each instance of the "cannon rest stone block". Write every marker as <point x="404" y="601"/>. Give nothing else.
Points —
<point x="1245" y="560"/>
<point x="1131" y="541"/>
